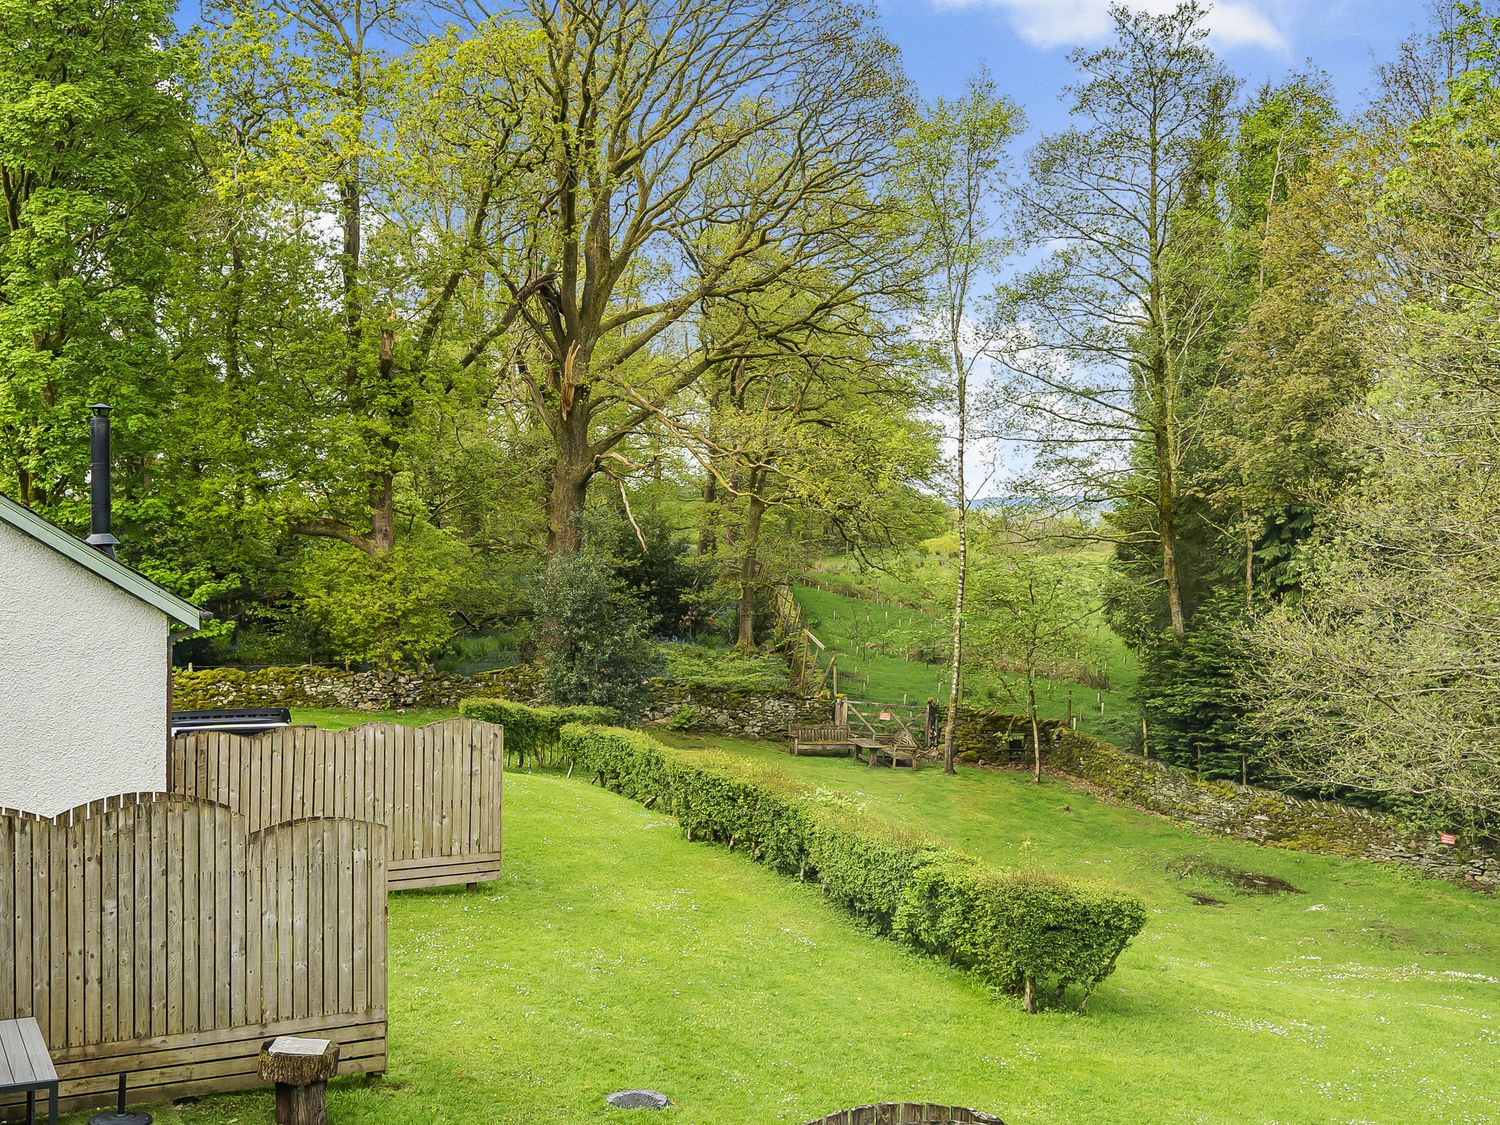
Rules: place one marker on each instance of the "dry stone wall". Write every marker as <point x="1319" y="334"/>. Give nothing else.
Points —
<point x="740" y="714"/>
<point x="310" y="685"/>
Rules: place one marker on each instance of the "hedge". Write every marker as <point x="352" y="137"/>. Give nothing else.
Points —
<point x="1021" y="933"/>
<point x="531" y="731"/>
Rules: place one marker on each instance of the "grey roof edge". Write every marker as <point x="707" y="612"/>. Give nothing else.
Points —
<point x="116" y="573"/>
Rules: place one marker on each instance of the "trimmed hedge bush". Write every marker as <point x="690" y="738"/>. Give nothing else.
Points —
<point x="532" y="732"/>
<point x="1028" y="934"/>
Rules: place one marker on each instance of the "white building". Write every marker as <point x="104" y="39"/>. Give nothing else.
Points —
<point x="85" y="669"/>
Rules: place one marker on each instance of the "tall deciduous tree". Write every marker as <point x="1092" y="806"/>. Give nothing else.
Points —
<point x="1381" y="675"/>
<point x="346" y="187"/>
<point x="1284" y="366"/>
<point x="677" y="143"/>
<point x="821" y="422"/>
<point x="953" y="160"/>
<point x="94" y="180"/>
<point x="1112" y="330"/>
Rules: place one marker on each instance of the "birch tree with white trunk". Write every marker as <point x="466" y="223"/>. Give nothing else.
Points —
<point x="952" y="175"/>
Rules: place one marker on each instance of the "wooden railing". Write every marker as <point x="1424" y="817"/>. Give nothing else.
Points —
<point x="437" y="788"/>
<point x="815" y="668"/>
<point x="159" y="936"/>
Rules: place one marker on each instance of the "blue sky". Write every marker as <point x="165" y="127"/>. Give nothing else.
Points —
<point x="1025" y="43"/>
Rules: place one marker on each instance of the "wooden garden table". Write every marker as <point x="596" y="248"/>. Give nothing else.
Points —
<point x="26" y="1065"/>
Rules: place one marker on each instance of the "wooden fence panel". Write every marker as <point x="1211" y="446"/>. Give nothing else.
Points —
<point x="437" y="788"/>
<point x="159" y="935"/>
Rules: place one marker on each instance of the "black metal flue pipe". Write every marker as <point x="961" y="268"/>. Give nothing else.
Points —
<point x="99" y="517"/>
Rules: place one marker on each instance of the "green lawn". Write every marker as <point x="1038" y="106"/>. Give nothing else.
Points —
<point x="337" y="718"/>
<point x="615" y="954"/>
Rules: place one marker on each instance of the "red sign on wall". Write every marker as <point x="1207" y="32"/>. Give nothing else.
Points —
<point x="1447" y="838"/>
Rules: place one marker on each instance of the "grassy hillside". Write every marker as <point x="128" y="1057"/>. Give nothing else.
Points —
<point x="615" y="954"/>
<point x="890" y="630"/>
<point x="1365" y="993"/>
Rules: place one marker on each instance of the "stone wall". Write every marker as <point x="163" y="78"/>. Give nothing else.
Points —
<point x="1262" y="816"/>
<point x="746" y="714"/>
<point x="309" y="685"/>
<point x="740" y="714"/>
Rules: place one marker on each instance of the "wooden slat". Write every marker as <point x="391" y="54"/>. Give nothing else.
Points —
<point x="437" y="788"/>
<point x="10" y="982"/>
<point x="76" y="912"/>
<point x="41" y="938"/>
<point x="155" y="925"/>
<point x="185" y="932"/>
<point x="148" y="962"/>
<point x="109" y="930"/>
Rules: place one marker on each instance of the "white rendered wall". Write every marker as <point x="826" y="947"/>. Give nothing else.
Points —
<point x="83" y="683"/>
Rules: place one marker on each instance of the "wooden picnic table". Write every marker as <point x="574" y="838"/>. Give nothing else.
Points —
<point x="869" y="750"/>
<point x="26" y="1065"/>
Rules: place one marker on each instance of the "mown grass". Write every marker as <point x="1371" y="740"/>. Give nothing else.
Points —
<point x="614" y="954"/>
<point x="338" y="718"/>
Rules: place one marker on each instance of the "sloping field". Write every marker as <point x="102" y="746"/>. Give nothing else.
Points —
<point x="615" y="954"/>
<point x="894" y="653"/>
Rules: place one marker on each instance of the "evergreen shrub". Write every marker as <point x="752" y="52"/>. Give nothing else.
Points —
<point x="1022" y="933"/>
<point x="532" y="732"/>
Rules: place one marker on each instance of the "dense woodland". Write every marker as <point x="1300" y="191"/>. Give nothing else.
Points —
<point x="418" y="318"/>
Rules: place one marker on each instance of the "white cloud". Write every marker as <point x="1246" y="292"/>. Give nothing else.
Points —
<point x="1057" y="23"/>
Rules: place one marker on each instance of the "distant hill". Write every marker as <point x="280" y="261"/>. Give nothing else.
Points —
<point x="1073" y="504"/>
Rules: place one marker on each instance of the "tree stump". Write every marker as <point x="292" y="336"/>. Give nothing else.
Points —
<point x="301" y="1069"/>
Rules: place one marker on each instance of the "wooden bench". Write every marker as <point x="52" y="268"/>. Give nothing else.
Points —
<point x="902" y="753"/>
<point x="820" y="738"/>
<point x="26" y="1065"/>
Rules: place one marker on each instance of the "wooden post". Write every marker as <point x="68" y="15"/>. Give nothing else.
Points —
<point x="1145" y="738"/>
<point x="301" y="1069"/>
<point x="1070" y="707"/>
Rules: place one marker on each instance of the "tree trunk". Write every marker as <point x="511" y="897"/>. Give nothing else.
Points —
<point x="950" y="722"/>
<point x="1166" y="529"/>
<point x="1249" y="570"/>
<point x="1174" y="583"/>
<point x="749" y="564"/>
<point x="572" y="468"/>
<point x="708" y="534"/>
<point x="1036" y="733"/>
<point x="383" y="514"/>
